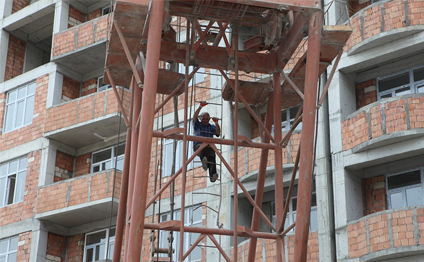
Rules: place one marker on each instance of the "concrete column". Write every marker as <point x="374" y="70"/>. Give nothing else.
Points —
<point x="324" y="185"/>
<point x="61" y="14"/>
<point x="4" y="43"/>
<point x="5" y="8"/>
<point x="54" y="92"/>
<point x="346" y="184"/>
<point x="38" y="246"/>
<point x="47" y="165"/>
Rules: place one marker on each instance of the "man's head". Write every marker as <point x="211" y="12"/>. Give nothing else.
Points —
<point x="204" y="118"/>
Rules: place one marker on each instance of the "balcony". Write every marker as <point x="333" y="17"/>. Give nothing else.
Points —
<point x="82" y="48"/>
<point x="383" y="22"/>
<point x="384" y="122"/>
<point x="86" y="120"/>
<point x="79" y="200"/>
<point x="387" y="234"/>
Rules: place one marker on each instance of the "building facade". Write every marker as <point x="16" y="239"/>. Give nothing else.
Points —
<point x="63" y="137"/>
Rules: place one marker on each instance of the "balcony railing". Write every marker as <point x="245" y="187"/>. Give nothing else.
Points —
<point x="394" y="119"/>
<point x="79" y="200"/>
<point x="87" y="119"/>
<point x="382" y="17"/>
<point x="387" y="233"/>
<point x="80" y="36"/>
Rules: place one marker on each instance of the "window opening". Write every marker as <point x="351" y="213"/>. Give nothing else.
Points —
<point x="9" y="249"/>
<point x="193" y="217"/>
<point x="100" y="85"/>
<point x="402" y="83"/>
<point x="291" y="214"/>
<point x="287" y="119"/>
<point x="96" y="243"/>
<point x="106" y="10"/>
<point x="12" y="181"/>
<point x="405" y="189"/>
<point x="105" y="159"/>
<point x="19" y="107"/>
<point x="168" y="151"/>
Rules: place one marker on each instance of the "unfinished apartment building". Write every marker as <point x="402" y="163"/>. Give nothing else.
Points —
<point x="73" y="74"/>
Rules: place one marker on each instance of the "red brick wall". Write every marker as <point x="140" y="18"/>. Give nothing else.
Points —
<point x="34" y="130"/>
<point x="15" y="58"/>
<point x="24" y="246"/>
<point x="94" y="14"/>
<point x="56" y="247"/>
<point x="403" y="228"/>
<point x="365" y="93"/>
<point x="70" y="89"/>
<point x="89" y="87"/>
<point x="78" y="191"/>
<point x="64" y="166"/>
<point x="75" y="248"/>
<point x="83" y="165"/>
<point x="394" y="18"/>
<point x="354" y="131"/>
<point x="80" y="35"/>
<point x="374" y="194"/>
<point x="75" y="17"/>
<point x="26" y="208"/>
<point x="19" y="4"/>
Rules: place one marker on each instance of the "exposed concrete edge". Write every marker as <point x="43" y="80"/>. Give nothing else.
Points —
<point x="252" y="176"/>
<point x="47" y="214"/>
<point x="391" y="152"/>
<point x="97" y="119"/>
<point x="388" y="139"/>
<point x="58" y="59"/>
<point x="392" y="253"/>
<point x="28" y="14"/>
<point x="27" y="77"/>
<point x="371" y="42"/>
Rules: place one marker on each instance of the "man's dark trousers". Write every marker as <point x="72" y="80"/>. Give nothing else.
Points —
<point x="209" y="153"/>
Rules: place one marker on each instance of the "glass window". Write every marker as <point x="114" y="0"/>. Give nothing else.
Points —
<point x="405" y="189"/>
<point x="106" y="10"/>
<point x="97" y="243"/>
<point x="12" y="181"/>
<point x="8" y="249"/>
<point x="403" y="83"/>
<point x="291" y="214"/>
<point x="100" y="85"/>
<point x="288" y="117"/>
<point x="168" y="153"/>
<point x="106" y="158"/>
<point x="197" y="78"/>
<point x="193" y="217"/>
<point x="19" y="107"/>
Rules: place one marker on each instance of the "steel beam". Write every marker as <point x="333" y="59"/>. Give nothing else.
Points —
<point x="146" y="132"/>
<point x="118" y="99"/>
<point x="123" y="193"/>
<point x="261" y="180"/>
<point x="307" y="140"/>
<point x="278" y="154"/>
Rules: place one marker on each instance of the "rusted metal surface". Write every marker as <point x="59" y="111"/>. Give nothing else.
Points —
<point x="145" y="138"/>
<point x="255" y="93"/>
<point x="278" y="26"/>
<point x="307" y="140"/>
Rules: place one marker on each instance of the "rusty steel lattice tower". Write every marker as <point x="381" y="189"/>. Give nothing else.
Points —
<point x="140" y="28"/>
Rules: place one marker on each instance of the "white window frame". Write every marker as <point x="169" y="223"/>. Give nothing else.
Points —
<point x="109" y="242"/>
<point x="291" y="213"/>
<point x="168" y="145"/>
<point x="113" y="158"/>
<point x="18" y="174"/>
<point x="106" y="10"/>
<point x="9" y="252"/>
<point x="412" y="85"/>
<point x="29" y="96"/>
<point x="189" y="238"/>
<point x="101" y="87"/>
<point x="403" y="190"/>
<point x="286" y="125"/>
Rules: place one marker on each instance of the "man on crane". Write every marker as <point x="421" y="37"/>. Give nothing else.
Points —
<point x="203" y="128"/>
